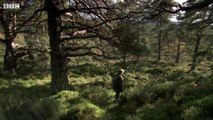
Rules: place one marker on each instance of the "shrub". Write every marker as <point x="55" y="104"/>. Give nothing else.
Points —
<point x="83" y="110"/>
<point x="88" y="69"/>
<point x="46" y="108"/>
<point x="98" y="95"/>
<point x="192" y="113"/>
<point x="207" y="105"/>
<point x="155" y="71"/>
<point x="150" y="112"/>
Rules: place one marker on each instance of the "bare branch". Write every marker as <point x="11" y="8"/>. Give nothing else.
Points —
<point x="73" y="52"/>
<point x="195" y="6"/>
<point x="30" y="18"/>
<point x="79" y="37"/>
<point x="89" y="54"/>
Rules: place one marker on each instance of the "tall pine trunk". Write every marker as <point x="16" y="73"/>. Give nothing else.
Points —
<point x="10" y="60"/>
<point x="59" y="80"/>
<point x="11" y="57"/>
<point x="159" y="39"/>
<point x="159" y="45"/>
<point x="196" y="48"/>
<point x="177" y="60"/>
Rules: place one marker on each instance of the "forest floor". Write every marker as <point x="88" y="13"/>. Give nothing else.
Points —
<point x="154" y="91"/>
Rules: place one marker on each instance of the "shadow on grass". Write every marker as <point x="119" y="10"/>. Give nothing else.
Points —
<point x="23" y="93"/>
<point x="26" y="74"/>
<point x="117" y="112"/>
<point x="17" y="100"/>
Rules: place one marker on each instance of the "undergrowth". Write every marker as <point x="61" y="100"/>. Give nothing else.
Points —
<point x="152" y="92"/>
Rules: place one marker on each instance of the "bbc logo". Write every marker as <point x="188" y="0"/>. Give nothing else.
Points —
<point x="11" y="6"/>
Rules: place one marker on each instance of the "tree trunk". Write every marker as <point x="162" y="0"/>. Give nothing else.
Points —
<point x="195" y="56"/>
<point x="159" y="45"/>
<point x="10" y="61"/>
<point x="177" y="60"/>
<point x="159" y="40"/>
<point x="59" y="80"/>
<point x="9" y="25"/>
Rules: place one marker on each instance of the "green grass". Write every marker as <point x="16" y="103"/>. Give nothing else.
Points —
<point x="153" y="92"/>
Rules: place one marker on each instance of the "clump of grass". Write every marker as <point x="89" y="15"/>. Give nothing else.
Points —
<point x="192" y="113"/>
<point x="98" y="95"/>
<point x="150" y="112"/>
<point x="83" y="110"/>
<point x="88" y="69"/>
<point x="17" y="96"/>
<point x="46" y="108"/>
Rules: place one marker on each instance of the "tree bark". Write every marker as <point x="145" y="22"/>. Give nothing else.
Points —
<point x="159" y="39"/>
<point x="159" y="46"/>
<point x="195" y="54"/>
<point x="59" y="80"/>
<point x="10" y="59"/>
<point x="177" y="60"/>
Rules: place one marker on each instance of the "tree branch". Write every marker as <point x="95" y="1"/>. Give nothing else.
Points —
<point x="195" y="6"/>
<point x="71" y="52"/>
<point x="30" y="18"/>
<point x="79" y="37"/>
<point x="89" y="54"/>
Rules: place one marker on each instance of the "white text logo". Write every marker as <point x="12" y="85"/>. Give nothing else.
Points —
<point x="11" y="6"/>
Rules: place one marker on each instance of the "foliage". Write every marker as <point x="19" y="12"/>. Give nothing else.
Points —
<point x="88" y="69"/>
<point x="171" y="94"/>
